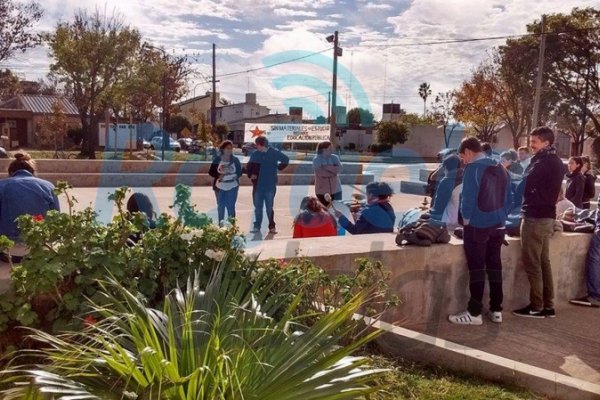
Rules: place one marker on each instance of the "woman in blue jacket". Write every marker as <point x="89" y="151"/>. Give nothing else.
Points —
<point x="377" y="216"/>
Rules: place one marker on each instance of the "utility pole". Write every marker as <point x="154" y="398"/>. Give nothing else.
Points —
<point x="213" y="100"/>
<point x="540" y="73"/>
<point x="328" y="107"/>
<point x="337" y="51"/>
<point x="165" y="142"/>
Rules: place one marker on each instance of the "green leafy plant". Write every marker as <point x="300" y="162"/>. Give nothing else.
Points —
<point x="235" y="338"/>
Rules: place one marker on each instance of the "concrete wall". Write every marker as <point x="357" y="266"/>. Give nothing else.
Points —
<point x="425" y="141"/>
<point x="433" y="281"/>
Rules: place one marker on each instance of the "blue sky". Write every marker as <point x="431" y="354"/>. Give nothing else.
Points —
<point x="374" y="34"/>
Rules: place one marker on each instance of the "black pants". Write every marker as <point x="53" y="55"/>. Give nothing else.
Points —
<point x="335" y="196"/>
<point x="482" y="249"/>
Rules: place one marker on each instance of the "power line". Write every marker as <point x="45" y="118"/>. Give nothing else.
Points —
<point x="467" y="40"/>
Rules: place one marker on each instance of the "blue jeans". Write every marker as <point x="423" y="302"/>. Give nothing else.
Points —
<point x="264" y="199"/>
<point x="592" y="268"/>
<point x="226" y="199"/>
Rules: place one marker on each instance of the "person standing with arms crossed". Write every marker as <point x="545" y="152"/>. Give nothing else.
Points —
<point x="327" y="167"/>
<point x="486" y="202"/>
<point x="543" y="180"/>
<point x="262" y="171"/>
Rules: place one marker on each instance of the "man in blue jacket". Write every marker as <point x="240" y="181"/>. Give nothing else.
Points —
<point x="486" y="201"/>
<point x="262" y="171"/>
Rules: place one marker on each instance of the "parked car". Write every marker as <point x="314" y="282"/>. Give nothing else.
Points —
<point x="156" y="143"/>
<point x="199" y="147"/>
<point x="146" y="144"/>
<point x="185" y="143"/>
<point x="248" y="148"/>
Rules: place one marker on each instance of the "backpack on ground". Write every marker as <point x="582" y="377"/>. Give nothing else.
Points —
<point x="423" y="234"/>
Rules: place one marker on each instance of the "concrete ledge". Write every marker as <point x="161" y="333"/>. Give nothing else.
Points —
<point x="154" y="167"/>
<point x="422" y="348"/>
<point x="111" y="179"/>
<point x="410" y="187"/>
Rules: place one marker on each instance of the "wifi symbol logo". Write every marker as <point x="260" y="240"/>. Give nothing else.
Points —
<point x="345" y="77"/>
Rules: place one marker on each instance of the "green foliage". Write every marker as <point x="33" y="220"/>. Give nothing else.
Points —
<point x="221" y="130"/>
<point x="360" y="116"/>
<point x="231" y="338"/>
<point x="392" y="132"/>
<point x="186" y="211"/>
<point x="177" y="123"/>
<point x="69" y="252"/>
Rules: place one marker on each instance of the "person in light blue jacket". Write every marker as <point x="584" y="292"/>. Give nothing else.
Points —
<point x="262" y="170"/>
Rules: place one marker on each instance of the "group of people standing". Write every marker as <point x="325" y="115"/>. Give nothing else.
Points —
<point x="490" y="189"/>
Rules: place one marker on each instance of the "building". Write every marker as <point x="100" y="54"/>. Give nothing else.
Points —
<point x="249" y="109"/>
<point x="391" y="112"/>
<point x="22" y="116"/>
<point x="195" y="106"/>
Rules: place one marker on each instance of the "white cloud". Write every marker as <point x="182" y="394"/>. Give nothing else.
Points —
<point x="288" y="12"/>
<point x="377" y="6"/>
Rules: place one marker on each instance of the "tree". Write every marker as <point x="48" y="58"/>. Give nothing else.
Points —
<point x="9" y="84"/>
<point x="92" y="55"/>
<point x="417" y="119"/>
<point x="221" y="130"/>
<point x="443" y="113"/>
<point x="476" y="103"/>
<point x="177" y="123"/>
<point x="53" y="128"/>
<point x="424" y="93"/>
<point x="392" y="132"/>
<point x="359" y="116"/>
<point x="15" y="29"/>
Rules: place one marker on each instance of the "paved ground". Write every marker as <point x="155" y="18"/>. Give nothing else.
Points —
<point x="287" y="202"/>
<point x="568" y="344"/>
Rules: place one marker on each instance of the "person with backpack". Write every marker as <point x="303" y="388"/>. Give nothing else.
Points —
<point x="589" y="192"/>
<point x="485" y="203"/>
<point x="444" y="207"/>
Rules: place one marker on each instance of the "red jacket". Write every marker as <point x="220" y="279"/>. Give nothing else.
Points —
<point x="309" y="224"/>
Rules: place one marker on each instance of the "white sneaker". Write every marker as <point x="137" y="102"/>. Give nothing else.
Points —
<point x="255" y="230"/>
<point x="495" y="316"/>
<point x="465" y="318"/>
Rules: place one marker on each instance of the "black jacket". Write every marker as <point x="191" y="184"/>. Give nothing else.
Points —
<point x="542" y="180"/>
<point x="590" y="187"/>
<point x="575" y="188"/>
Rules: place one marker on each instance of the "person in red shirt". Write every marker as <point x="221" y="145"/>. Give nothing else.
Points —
<point x="313" y="220"/>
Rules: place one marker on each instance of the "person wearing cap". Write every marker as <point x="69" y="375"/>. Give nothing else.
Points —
<point x="377" y="216"/>
<point x="486" y="200"/>
<point x="445" y="203"/>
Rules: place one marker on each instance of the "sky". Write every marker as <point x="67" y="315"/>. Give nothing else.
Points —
<point x="385" y="52"/>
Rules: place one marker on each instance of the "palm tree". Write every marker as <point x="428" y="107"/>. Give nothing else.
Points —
<point x="424" y="93"/>
<point x="238" y="338"/>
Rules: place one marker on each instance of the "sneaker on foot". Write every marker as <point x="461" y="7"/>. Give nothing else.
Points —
<point x="584" y="301"/>
<point x="495" y="316"/>
<point x="465" y="318"/>
<point x="255" y="230"/>
<point x="549" y="313"/>
<point x="272" y="231"/>
<point x="528" y="312"/>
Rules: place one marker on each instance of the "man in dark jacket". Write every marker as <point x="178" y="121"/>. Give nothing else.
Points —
<point x="377" y="216"/>
<point x="485" y="204"/>
<point x="262" y="171"/>
<point x="542" y="182"/>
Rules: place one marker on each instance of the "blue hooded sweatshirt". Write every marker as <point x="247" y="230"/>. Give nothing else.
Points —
<point x="265" y="165"/>
<point x="486" y="197"/>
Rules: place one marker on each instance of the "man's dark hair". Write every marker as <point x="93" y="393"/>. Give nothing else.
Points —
<point x="487" y="148"/>
<point x="471" y="143"/>
<point x="261" y="141"/>
<point x="544" y="133"/>
<point x="139" y="202"/>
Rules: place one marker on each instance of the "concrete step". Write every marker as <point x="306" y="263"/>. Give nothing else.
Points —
<point x="132" y="179"/>
<point x="410" y="187"/>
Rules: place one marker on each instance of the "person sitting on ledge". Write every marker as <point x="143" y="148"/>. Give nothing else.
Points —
<point x="447" y="194"/>
<point x="377" y="216"/>
<point x="23" y="193"/>
<point x="313" y="220"/>
<point x="592" y="271"/>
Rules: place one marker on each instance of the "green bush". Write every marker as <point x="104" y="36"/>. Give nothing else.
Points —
<point x="234" y="337"/>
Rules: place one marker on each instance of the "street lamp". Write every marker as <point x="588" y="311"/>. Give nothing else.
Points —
<point x="164" y="95"/>
<point x="337" y="52"/>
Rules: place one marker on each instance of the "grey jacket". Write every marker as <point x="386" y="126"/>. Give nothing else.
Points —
<point x="327" y="170"/>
